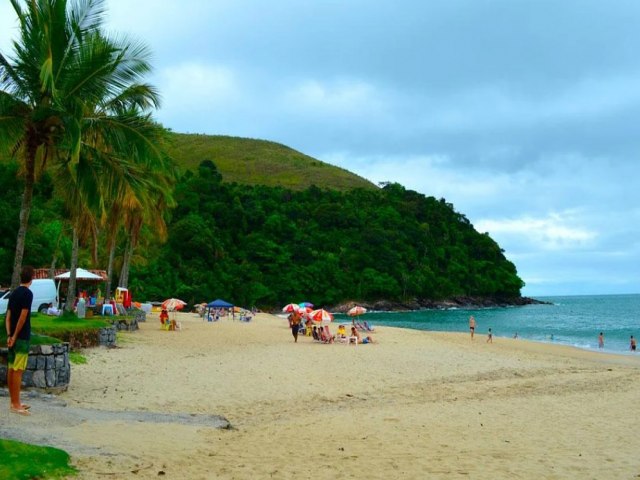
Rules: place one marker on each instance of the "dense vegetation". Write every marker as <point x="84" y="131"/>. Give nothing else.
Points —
<point x="266" y="246"/>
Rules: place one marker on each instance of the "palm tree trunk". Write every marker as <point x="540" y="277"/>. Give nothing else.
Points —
<point x="126" y="261"/>
<point x="71" y="292"/>
<point x="25" y="211"/>
<point x="52" y="268"/>
<point x="112" y="256"/>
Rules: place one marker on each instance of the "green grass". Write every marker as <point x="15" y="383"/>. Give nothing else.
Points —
<point x="47" y="330"/>
<point x="260" y="162"/>
<point x="48" y="325"/>
<point x="257" y="162"/>
<point x="77" y="358"/>
<point x="23" y="461"/>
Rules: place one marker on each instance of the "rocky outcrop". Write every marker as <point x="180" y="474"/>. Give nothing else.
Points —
<point x="424" y="304"/>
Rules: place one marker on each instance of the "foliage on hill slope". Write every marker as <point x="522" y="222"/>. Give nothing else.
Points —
<point x="260" y="162"/>
<point x="269" y="246"/>
<point x="266" y="246"/>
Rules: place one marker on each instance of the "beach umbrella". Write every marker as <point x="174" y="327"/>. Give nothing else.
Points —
<point x="291" y="307"/>
<point x="320" y="316"/>
<point x="173" y="304"/>
<point x="357" y="310"/>
<point x="306" y="305"/>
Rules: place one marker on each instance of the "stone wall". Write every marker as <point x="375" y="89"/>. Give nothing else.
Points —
<point x="107" y="336"/>
<point x="48" y="367"/>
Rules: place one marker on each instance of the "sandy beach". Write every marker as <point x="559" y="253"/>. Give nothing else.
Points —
<point x="412" y="405"/>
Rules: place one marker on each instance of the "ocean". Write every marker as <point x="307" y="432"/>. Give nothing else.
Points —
<point x="571" y="320"/>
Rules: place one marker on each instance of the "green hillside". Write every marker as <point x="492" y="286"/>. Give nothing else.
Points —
<point x="260" y="162"/>
<point x="256" y="162"/>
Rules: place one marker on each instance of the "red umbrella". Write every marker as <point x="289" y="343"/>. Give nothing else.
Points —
<point x="320" y="316"/>
<point x="291" y="307"/>
<point x="357" y="310"/>
<point x="173" y="304"/>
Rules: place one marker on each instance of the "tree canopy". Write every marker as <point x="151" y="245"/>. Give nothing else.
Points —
<point x="267" y="246"/>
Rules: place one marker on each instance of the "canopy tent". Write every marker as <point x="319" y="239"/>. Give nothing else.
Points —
<point x="218" y="303"/>
<point x="81" y="274"/>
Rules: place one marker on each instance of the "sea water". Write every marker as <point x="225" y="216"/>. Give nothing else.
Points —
<point x="574" y="320"/>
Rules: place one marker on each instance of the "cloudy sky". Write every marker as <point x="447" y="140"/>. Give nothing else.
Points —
<point x="525" y="115"/>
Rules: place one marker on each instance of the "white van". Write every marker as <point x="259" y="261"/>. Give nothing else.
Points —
<point x="44" y="293"/>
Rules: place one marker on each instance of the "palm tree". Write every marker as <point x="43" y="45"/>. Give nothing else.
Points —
<point x="106" y="180"/>
<point x="70" y="91"/>
<point x="150" y="212"/>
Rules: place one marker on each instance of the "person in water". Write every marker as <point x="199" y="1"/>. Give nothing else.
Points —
<point x="472" y="325"/>
<point x="632" y="344"/>
<point x="601" y="340"/>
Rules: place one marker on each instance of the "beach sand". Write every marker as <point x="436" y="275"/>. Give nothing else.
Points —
<point x="412" y="405"/>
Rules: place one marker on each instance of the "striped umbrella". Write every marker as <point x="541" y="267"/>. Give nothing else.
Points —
<point x="320" y="316"/>
<point x="173" y="304"/>
<point x="291" y="307"/>
<point x="357" y="310"/>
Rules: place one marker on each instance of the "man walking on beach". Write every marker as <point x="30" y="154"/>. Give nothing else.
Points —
<point x="18" y="323"/>
<point x="294" y="320"/>
<point x="472" y="325"/>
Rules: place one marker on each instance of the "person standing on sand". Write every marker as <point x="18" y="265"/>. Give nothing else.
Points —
<point x="294" y="320"/>
<point x="632" y="344"/>
<point x="472" y="325"/>
<point x="490" y="337"/>
<point x="601" y="340"/>
<point x="18" y="323"/>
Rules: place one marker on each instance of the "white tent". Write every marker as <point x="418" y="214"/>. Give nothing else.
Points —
<point x="81" y="274"/>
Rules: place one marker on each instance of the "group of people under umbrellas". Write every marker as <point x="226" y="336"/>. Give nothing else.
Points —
<point x="318" y="323"/>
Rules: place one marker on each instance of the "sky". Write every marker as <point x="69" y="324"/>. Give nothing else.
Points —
<point x="525" y="115"/>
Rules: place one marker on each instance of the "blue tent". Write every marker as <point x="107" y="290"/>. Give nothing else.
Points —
<point x="219" y="304"/>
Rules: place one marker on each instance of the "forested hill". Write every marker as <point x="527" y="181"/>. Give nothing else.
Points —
<point x="255" y="228"/>
<point x="260" y="162"/>
<point x="267" y="246"/>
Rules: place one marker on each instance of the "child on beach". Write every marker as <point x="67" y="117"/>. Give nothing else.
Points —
<point x="490" y="337"/>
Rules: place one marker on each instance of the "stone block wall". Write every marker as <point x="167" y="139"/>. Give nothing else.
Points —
<point x="107" y="336"/>
<point x="48" y="367"/>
